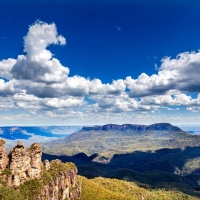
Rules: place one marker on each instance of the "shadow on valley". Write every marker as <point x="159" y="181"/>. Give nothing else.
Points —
<point x="171" y="169"/>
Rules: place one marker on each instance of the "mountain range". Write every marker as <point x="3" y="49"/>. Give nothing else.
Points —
<point x="111" y="139"/>
<point x="158" y="161"/>
<point x="156" y="156"/>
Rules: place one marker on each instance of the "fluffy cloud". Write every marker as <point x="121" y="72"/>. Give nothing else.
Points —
<point x="63" y="103"/>
<point x="5" y="67"/>
<point x="181" y="73"/>
<point x="118" y="104"/>
<point x="43" y="76"/>
<point x="179" y="99"/>
<point x="38" y="65"/>
<point x="38" y="82"/>
<point x="34" y="104"/>
<point x="6" y="88"/>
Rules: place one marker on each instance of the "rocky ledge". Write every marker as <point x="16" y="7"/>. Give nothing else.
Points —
<point x="23" y="168"/>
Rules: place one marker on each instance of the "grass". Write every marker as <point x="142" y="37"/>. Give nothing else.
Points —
<point x="114" y="189"/>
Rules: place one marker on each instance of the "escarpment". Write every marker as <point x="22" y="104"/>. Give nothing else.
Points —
<point x="23" y="172"/>
<point x="135" y="127"/>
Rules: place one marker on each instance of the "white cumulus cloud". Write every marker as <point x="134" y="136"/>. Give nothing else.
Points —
<point x="180" y="73"/>
<point x="37" y="82"/>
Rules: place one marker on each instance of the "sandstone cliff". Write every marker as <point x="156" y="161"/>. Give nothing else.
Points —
<point x="64" y="185"/>
<point x="23" y="172"/>
<point x="136" y="127"/>
<point x="3" y="157"/>
<point x="24" y="163"/>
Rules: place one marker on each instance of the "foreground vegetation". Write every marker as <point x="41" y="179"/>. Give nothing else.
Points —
<point x="172" y="169"/>
<point x="113" y="189"/>
<point x="98" y="189"/>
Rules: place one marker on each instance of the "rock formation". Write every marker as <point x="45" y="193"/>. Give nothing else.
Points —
<point x="136" y="127"/>
<point x="65" y="186"/>
<point x="3" y="157"/>
<point x="24" y="163"/>
<point x="58" y="180"/>
<point x="46" y="165"/>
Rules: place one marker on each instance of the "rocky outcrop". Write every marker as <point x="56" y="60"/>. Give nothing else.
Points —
<point x="135" y="127"/>
<point x="65" y="186"/>
<point x="46" y="165"/>
<point x="57" y="180"/>
<point x="3" y="156"/>
<point x="24" y="163"/>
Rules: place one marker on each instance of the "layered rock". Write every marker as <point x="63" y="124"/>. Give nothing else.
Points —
<point x="136" y="127"/>
<point x="64" y="186"/>
<point x="3" y="156"/>
<point x="115" y="127"/>
<point x="57" y="180"/>
<point x="24" y="163"/>
<point x="46" y="165"/>
<point x="35" y="153"/>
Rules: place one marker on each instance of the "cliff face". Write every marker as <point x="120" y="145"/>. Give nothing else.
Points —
<point x="57" y="180"/>
<point x="24" y="163"/>
<point x="115" y="126"/>
<point x="65" y="186"/>
<point x="154" y="127"/>
<point x="3" y="157"/>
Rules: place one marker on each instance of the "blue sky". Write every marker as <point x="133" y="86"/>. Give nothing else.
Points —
<point x="100" y="62"/>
